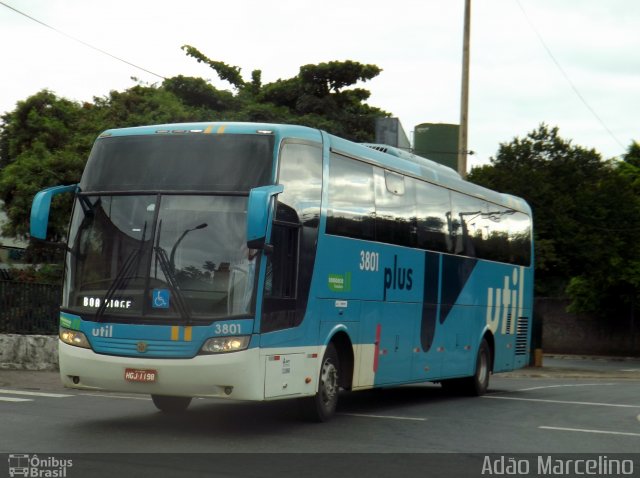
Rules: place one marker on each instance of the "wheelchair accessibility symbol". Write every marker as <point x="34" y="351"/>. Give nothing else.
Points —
<point x="160" y="298"/>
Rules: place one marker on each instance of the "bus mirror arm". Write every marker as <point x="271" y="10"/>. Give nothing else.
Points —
<point x="261" y="245"/>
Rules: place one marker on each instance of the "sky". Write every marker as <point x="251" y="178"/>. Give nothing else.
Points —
<point x="573" y="64"/>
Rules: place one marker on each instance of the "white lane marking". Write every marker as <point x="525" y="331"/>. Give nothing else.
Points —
<point x="630" y="370"/>
<point x="105" y="395"/>
<point x="605" y="432"/>
<point x="34" y="394"/>
<point x="564" y="385"/>
<point x="388" y="417"/>
<point x="595" y="404"/>
<point x="14" y="399"/>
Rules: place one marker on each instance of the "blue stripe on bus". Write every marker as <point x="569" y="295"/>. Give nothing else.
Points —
<point x="456" y="271"/>
<point x="431" y="300"/>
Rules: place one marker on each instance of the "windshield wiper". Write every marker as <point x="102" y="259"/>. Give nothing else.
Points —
<point x="167" y="270"/>
<point x="122" y="277"/>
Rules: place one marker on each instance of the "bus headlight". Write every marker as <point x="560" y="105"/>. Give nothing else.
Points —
<point x="220" y="345"/>
<point x="74" y="337"/>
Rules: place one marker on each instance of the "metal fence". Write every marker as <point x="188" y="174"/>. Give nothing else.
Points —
<point x="29" y="308"/>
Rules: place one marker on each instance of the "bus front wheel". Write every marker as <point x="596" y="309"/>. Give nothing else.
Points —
<point x="169" y="404"/>
<point x="322" y="406"/>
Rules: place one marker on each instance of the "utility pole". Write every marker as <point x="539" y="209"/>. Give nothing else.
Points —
<point x="464" y="95"/>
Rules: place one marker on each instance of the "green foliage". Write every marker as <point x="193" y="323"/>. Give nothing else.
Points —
<point x="197" y="93"/>
<point x="45" y="274"/>
<point x="42" y="121"/>
<point x="630" y="166"/>
<point x="586" y="215"/>
<point x="316" y="97"/>
<point x="225" y="72"/>
<point x="45" y="141"/>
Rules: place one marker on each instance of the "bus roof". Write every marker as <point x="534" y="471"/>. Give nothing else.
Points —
<point x="380" y="155"/>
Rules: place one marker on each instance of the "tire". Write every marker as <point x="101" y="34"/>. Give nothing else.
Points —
<point x="169" y="404"/>
<point x="478" y="383"/>
<point x="322" y="406"/>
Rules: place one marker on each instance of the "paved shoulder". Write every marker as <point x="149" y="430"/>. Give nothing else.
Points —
<point x="576" y="366"/>
<point x="31" y="380"/>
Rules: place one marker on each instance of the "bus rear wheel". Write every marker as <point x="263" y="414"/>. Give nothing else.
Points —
<point x="478" y="383"/>
<point x="322" y="406"/>
<point x="169" y="404"/>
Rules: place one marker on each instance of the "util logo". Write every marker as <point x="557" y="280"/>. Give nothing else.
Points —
<point x="105" y="331"/>
<point x="505" y="305"/>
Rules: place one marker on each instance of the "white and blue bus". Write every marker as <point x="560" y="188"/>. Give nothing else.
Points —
<point x="261" y="262"/>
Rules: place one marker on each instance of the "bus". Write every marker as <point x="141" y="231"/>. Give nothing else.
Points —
<point x="262" y="262"/>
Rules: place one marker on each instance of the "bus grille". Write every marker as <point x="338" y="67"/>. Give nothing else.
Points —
<point x="152" y="348"/>
<point x="521" y="335"/>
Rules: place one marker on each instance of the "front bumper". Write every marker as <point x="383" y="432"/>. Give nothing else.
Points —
<point x="236" y="375"/>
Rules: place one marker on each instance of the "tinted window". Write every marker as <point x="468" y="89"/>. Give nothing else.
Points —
<point x="395" y="209"/>
<point x="294" y="236"/>
<point x="410" y="212"/>
<point x="199" y="162"/>
<point x="466" y="224"/>
<point x="351" y="210"/>
<point x="519" y="238"/>
<point x="434" y="217"/>
<point x="301" y="174"/>
<point x="488" y="231"/>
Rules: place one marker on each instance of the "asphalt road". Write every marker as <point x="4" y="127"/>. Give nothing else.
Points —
<point x="569" y="406"/>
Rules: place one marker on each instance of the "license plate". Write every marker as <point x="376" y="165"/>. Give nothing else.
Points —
<point x="139" y="375"/>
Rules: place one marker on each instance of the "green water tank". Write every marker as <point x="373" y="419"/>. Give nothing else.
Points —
<point x="438" y="142"/>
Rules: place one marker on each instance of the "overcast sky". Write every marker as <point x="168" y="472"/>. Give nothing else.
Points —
<point x="586" y="81"/>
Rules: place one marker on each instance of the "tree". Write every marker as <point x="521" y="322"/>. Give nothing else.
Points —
<point x="586" y="215"/>
<point x="41" y="121"/>
<point x="319" y="96"/>
<point x="45" y="141"/>
<point x="42" y="142"/>
<point x="612" y="285"/>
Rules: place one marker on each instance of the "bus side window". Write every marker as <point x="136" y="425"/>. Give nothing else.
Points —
<point x="467" y="224"/>
<point x="434" y="217"/>
<point x="395" y="203"/>
<point x="351" y="205"/>
<point x="294" y="234"/>
<point x="282" y="263"/>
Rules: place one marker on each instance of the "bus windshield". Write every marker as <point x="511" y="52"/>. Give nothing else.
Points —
<point x="188" y="261"/>
<point x="142" y="249"/>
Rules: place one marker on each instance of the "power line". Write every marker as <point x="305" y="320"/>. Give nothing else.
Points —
<point x="566" y="77"/>
<point x="81" y="41"/>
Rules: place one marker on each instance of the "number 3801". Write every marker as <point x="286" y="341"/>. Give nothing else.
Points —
<point x="226" y="329"/>
<point x="369" y="261"/>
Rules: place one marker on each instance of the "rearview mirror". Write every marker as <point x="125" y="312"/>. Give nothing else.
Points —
<point x="41" y="207"/>
<point x="259" y="211"/>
